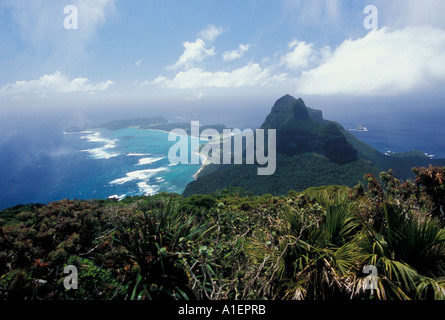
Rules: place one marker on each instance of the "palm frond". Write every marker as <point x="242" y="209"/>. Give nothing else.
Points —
<point x="429" y="288"/>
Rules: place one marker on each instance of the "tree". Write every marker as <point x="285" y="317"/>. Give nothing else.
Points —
<point x="432" y="181"/>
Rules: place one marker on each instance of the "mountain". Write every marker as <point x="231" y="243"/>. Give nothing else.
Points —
<point x="298" y="132"/>
<point x="311" y="152"/>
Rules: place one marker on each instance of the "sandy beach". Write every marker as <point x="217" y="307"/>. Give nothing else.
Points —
<point x="203" y="159"/>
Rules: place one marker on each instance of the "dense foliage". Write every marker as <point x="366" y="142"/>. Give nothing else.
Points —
<point x="231" y="245"/>
<point x="311" y="152"/>
<point x="293" y="172"/>
<point x="298" y="133"/>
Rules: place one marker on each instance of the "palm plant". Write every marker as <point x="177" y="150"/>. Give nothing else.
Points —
<point x="314" y="257"/>
<point x="156" y="239"/>
<point x="409" y="254"/>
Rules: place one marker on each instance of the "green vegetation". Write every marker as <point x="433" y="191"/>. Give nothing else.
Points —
<point x="297" y="172"/>
<point x="184" y="126"/>
<point x="311" y="152"/>
<point x="310" y="245"/>
<point x="332" y="208"/>
<point x="400" y="163"/>
<point x="298" y="132"/>
<point x="138" y="122"/>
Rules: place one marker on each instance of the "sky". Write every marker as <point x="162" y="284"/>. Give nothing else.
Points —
<point x="131" y="55"/>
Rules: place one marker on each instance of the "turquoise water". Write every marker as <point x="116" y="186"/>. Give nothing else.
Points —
<point x="47" y="166"/>
<point x="144" y="168"/>
<point x="40" y="164"/>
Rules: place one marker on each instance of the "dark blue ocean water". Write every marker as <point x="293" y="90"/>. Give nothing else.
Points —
<point x="39" y="164"/>
<point x="397" y="129"/>
<point x="44" y="166"/>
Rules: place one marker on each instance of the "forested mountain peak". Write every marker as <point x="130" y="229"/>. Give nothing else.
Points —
<point x="301" y="130"/>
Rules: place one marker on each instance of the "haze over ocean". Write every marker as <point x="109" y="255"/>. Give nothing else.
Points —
<point x="92" y="164"/>
<point x="42" y="164"/>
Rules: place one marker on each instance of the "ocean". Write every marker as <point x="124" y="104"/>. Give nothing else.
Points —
<point x="42" y="163"/>
<point x="94" y="164"/>
<point x="397" y="129"/>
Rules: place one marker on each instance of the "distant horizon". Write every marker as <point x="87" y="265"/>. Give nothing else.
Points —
<point x="30" y="142"/>
<point x="251" y="196"/>
<point x="250" y="110"/>
<point x="380" y="65"/>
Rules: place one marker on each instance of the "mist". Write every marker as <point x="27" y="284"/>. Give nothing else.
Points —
<point x="234" y="109"/>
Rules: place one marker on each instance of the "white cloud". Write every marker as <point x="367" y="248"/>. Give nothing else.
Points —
<point x="237" y="53"/>
<point x="159" y="81"/>
<point x="193" y="76"/>
<point x="210" y="33"/>
<point x="384" y="62"/>
<point x="403" y="13"/>
<point x="197" y="51"/>
<point x="93" y="14"/>
<point x="138" y="63"/>
<point x="301" y="55"/>
<point x="194" y="52"/>
<point x="250" y="75"/>
<point x="53" y="83"/>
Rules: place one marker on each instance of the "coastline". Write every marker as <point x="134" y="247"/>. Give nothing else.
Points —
<point x="198" y="137"/>
<point x="204" y="162"/>
<point x="156" y="130"/>
<point x="203" y="158"/>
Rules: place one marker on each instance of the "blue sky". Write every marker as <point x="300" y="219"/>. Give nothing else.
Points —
<point x="183" y="51"/>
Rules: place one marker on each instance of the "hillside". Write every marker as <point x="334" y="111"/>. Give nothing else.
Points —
<point x="298" y="132"/>
<point x="311" y="152"/>
<point x="310" y="245"/>
<point x="293" y="172"/>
